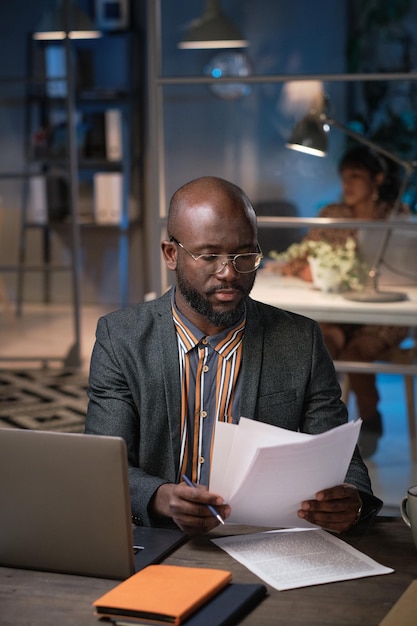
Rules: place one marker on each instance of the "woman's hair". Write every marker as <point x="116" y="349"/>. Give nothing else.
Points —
<point x="362" y="157"/>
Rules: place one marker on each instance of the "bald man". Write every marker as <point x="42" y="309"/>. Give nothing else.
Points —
<point x="163" y="372"/>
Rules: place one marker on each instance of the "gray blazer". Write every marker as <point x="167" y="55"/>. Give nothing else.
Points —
<point x="288" y="380"/>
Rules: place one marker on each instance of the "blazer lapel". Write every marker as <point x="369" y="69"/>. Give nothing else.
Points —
<point x="251" y="360"/>
<point x="168" y="361"/>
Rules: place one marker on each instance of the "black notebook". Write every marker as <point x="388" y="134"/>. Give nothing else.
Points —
<point x="229" y="606"/>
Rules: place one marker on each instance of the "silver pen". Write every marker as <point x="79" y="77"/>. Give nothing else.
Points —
<point x="210" y="508"/>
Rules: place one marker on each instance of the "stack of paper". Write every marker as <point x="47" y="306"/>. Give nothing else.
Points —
<point x="265" y="472"/>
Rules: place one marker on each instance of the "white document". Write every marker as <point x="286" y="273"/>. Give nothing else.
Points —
<point x="265" y="472"/>
<point x="299" y="558"/>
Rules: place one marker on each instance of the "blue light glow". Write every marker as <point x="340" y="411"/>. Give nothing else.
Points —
<point x="216" y="72"/>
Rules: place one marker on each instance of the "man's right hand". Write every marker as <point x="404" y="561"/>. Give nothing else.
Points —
<point x="187" y="506"/>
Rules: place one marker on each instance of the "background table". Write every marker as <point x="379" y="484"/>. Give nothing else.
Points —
<point x="294" y="294"/>
<point x="46" y="599"/>
<point x="299" y="296"/>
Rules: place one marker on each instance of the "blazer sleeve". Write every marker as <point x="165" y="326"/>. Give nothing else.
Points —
<point x="127" y="382"/>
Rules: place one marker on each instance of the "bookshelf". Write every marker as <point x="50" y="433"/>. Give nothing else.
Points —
<point x="106" y="138"/>
<point x="82" y="160"/>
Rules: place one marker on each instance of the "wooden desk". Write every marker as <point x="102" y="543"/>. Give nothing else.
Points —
<point x="43" y="599"/>
<point x="294" y="294"/>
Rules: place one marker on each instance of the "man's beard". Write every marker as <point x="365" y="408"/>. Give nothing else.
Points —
<point x="202" y="306"/>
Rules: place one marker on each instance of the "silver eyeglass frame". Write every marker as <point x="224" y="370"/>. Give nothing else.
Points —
<point x="228" y="258"/>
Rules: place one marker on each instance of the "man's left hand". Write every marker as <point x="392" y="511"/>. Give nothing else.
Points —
<point x="335" y="509"/>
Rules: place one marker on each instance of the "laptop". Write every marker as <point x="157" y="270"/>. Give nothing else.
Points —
<point x="65" y="507"/>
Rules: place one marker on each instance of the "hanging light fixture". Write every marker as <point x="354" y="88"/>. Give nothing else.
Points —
<point x="62" y="22"/>
<point x="212" y="30"/>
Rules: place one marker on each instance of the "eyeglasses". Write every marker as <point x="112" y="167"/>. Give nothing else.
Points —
<point x="215" y="263"/>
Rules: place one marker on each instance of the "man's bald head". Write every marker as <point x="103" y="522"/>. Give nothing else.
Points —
<point x="211" y="190"/>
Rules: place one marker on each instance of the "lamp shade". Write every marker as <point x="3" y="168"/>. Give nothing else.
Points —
<point x="212" y="30"/>
<point x="309" y="136"/>
<point x="59" y="24"/>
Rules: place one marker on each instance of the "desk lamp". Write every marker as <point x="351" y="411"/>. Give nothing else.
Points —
<point x="212" y="30"/>
<point x="310" y="136"/>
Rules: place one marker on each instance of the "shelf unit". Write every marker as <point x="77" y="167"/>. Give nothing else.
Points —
<point x="105" y="125"/>
<point x="73" y="356"/>
<point x="82" y="137"/>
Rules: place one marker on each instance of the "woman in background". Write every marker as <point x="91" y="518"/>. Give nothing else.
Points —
<point x="369" y="192"/>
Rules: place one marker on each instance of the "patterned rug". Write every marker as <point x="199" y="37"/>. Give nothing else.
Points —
<point x="43" y="399"/>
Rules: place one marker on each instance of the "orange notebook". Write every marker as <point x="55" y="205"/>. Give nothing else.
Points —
<point x="162" y="593"/>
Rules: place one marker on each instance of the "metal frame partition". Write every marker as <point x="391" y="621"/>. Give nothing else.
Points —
<point x="157" y="201"/>
<point x="156" y="191"/>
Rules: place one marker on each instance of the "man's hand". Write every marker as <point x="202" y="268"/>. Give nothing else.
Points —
<point x="335" y="509"/>
<point x="188" y="506"/>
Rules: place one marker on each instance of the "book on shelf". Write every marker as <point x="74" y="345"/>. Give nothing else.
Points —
<point x="113" y="134"/>
<point x="109" y="200"/>
<point x="108" y="197"/>
<point x="56" y="70"/>
<point x="47" y="199"/>
<point x="103" y="135"/>
<point x="37" y="207"/>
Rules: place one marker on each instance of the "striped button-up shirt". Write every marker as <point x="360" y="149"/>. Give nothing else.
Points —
<point x="210" y="390"/>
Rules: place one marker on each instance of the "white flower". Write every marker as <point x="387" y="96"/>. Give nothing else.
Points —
<point x="343" y="258"/>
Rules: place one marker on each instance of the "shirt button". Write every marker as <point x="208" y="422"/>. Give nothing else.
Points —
<point x="205" y="368"/>
<point x="203" y="413"/>
<point x="204" y="341"/>
<point x="201" y="460"/>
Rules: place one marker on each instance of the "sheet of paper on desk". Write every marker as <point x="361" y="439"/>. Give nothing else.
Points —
<point x="287" y="559"/>
<point x="265" y="472"/>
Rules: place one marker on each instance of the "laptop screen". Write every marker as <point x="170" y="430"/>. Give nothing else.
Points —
<point x="65" y="505"/>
